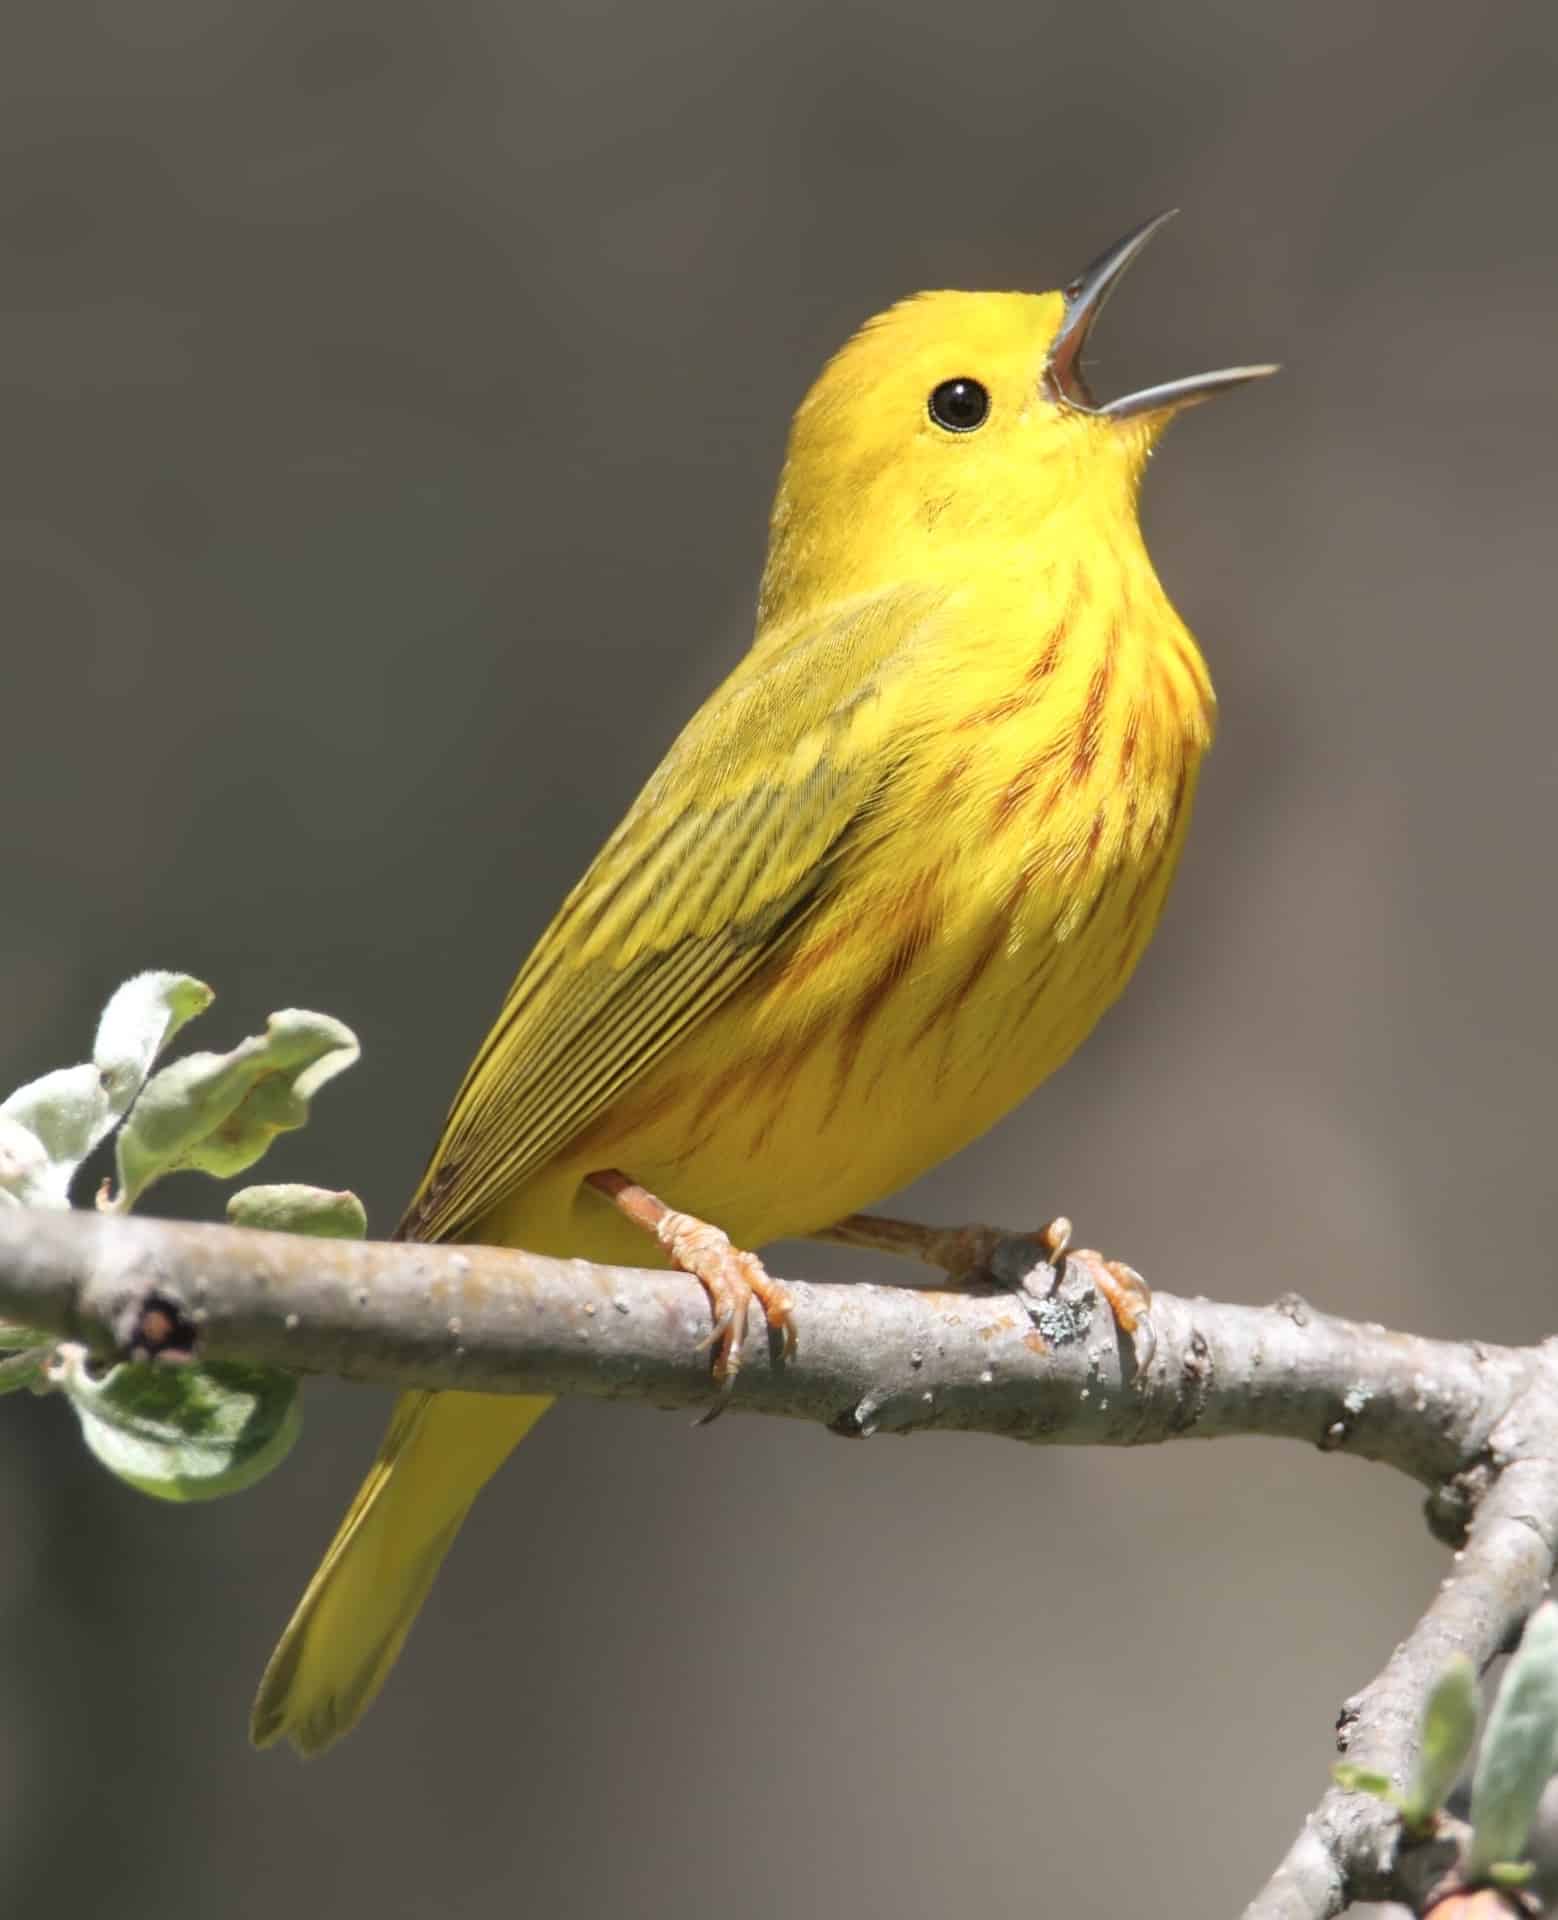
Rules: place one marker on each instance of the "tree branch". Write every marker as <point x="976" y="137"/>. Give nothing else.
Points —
<point x="1475" y="1424"/>
<point x="1350" y="1846"/>
<point x="883" y="1358"/>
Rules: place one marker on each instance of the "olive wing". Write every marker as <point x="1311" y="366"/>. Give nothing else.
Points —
<point x="745" y="827"/>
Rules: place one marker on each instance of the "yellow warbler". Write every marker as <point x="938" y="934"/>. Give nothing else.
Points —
<point x="885" y="881"/>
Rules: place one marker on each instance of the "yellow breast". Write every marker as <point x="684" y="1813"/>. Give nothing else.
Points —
<point x="981" y="924"/>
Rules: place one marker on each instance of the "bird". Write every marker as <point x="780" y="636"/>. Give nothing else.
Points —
<point x="884" y="882"/>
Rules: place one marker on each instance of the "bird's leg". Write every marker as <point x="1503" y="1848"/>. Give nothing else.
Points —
<point x="962" y="1253"/>
<point x="972" y="1254"/>
<point x="730" y="1277"/>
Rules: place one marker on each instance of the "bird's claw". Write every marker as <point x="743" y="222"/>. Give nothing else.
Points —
<point x="733" y="1279"/>
<point x="1129" y="1299"/>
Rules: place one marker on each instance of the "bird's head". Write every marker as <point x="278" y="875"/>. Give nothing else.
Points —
<point x="958" y="431"/>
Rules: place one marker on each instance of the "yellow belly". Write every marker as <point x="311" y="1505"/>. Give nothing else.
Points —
<point x="906" y="1018"/>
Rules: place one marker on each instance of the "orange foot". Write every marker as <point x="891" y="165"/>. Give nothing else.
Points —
<point x="731" y="1278"/>
<point x="974" y="1254"/>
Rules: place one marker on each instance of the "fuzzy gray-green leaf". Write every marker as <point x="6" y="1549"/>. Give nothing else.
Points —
<point x="26" y="1176"/>
<point x="67" y="1113"/>
<point x="1353" y="1779"/>
<point x="137" y="1023"/>
<point x="1519" y="1748"/>
<point x="26" y="1367"/>
<point x="290" y="1208"/>
<point x="217" y="1113"/>
<point x="48" y="1127"/>
<point x="1449" y="1729"/>
<point x="1512" y="1873"/>
<point x="183" y="1433"/>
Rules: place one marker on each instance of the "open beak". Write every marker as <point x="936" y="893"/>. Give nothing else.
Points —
<point x="1064" y="380"/>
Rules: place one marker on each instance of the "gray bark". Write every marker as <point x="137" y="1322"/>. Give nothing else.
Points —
<point x="1476" y="1425"/>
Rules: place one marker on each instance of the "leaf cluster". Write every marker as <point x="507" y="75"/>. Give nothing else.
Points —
<point x="181" y="1432"/>
<point x="1517" y="1758"/>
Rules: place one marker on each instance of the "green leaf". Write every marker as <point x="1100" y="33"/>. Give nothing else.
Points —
<point x="66" y="1113"/>
<point x="1512" y="1873"/>
<point x="1353" y="1779"/>
<point x="183" y="1433"/>
<point x="217" y="1113"/>
<point x="1519" y="1748"/>
<point x="26" y="1368"/>
<point x="1449" y="1730"/>
<point x="297" y="1209"/>
<point x="26" y="1175"/>
<point x="137" y="1023"/>
<point x="48" y="1127"/>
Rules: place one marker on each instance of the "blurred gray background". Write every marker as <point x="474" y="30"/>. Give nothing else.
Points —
<point x="391" y="400"/>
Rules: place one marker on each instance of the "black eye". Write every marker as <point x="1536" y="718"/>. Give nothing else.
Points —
<point x="959" y="405"/>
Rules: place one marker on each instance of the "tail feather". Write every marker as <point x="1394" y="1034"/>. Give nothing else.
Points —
<point x="340" y="1644"/>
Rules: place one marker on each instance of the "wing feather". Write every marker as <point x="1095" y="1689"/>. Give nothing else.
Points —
<point x="737" y="837"/>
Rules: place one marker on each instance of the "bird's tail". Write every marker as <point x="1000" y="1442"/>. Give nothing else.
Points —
<point x="349" y="1626"/>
